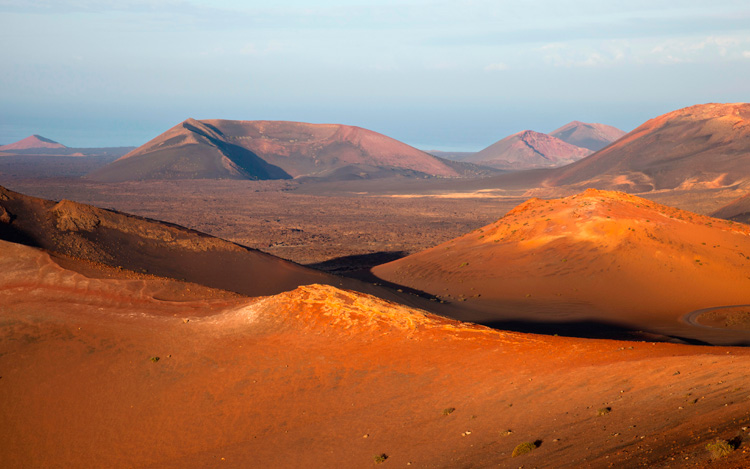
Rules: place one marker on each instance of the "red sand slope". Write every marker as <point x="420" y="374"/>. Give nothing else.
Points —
<point x="527" y="150"/>
<point x="591" y="136"/>
<point x="320" y="377"/>
<point x="699" y="146"/>
<point x="597" y="255"/>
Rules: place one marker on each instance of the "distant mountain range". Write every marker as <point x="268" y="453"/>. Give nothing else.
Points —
<point x="32" y="142"/>
<point x="38" y="145"/>
<point x="529" y="149"/>
<point x="703" y="146"/>
<point x="591" y="136"/>
<point x="227" y="149"/>
<point x="706" y="145"/>
<point x="230" y="149"/>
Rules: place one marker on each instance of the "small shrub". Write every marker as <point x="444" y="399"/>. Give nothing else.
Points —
<point x="719" y="448"/>
<point x="523" y="448"/>
<point x="448" y="410"/>
<point x="603" y="411"/>
<point x="464" y="264"/>
<point x="154" y="359"/>
<point x="380" y="458"/>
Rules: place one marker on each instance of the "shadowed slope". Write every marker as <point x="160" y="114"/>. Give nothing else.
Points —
<point x="190" y="150"/>
<point x="270" y="150"/>
<point x="143" y="245"/>
<point x="591" y="136"/>
<point x="739" y="210"/>
<point x="163" y="249"/>
<point x="99" y="373"/>
<point x="602" y="255"/>
<point x="527" y="150"/>
<point x="700" y="146"/>
<point x="316" y="150"/>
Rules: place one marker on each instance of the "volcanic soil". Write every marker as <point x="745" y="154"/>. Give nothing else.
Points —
<point x="126" y="342"/>
<point x="147" y="246"/>
<point x="595" y="257"/>
<point x="336" y="232"/>
<point x="108" y="373"/>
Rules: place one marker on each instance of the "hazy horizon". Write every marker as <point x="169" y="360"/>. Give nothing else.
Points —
<point x="434" y="74"/>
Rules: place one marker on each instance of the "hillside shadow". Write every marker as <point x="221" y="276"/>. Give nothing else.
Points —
<point x="251" y="164"/>
<point x="588" y="329"/>
<point x="358" y="266"/>
<point x="10" y="233"/>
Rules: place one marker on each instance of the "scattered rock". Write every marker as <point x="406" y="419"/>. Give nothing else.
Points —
<point x="72" y="216"/>
<point x="5" y="216"/>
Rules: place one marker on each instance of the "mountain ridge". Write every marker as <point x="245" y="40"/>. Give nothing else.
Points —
<point x="593" y="136"/>
<point x="216" y="148"/>
<point x="32" y="142"/>
<point x="706" y="145"/>
<point x="528" y="150"/>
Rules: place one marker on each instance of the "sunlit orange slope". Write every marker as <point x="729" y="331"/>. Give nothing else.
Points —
<point x="603" y="255"/>
<point x="145" y="372"/>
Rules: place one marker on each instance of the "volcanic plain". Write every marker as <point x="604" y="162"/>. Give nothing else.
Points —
<point x="279" y="305"/>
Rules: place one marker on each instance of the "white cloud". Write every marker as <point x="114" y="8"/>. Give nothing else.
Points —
<point x="622" y="52"/>
<point x="553" y="46"/>
<point x="498" y="66"/>
<point x="671" y="59"/>
<point x="579" y="55"/>
<point x="593" y="60"/>
<point x="255" y="50"/>
<point x="95" y="6"/>
<point x="442" y="65"/>
<point x="700" y="49"/>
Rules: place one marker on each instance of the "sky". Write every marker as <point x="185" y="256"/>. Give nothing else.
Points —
<point x="449" y="75"/>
